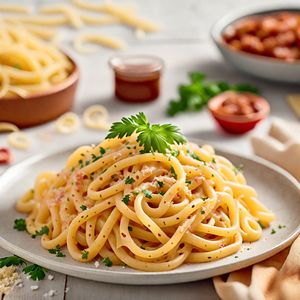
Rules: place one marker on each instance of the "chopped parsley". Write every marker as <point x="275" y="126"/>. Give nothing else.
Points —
<point x="204" y="198"/>
<point x="56" y="251"/>
<point x="213" y="160"/>
<point x="81" y="164"/>
<point x="35" y="272"/>
<point x="160" y="183"/>
<point x="102" y="150"/>
<point x="83" y="207"/>
<point x="261" y="225"/>
<point x="188" y="181"/>
<point x="147" y="193"/>
<point x="202" y="212"/>
<point x="107" y="262"/>
<point x="20" y="224"/>
<point x="43" y="230"/>
<point x="161" y="193"/>
<point x="95" y="157"/>
<point x="174" y="152"/>
<point x="130" y="228"/>
<point x="129" y="180"/>
<point x="238" y="169"/>
<point x="273" y="231"/>
<point x="281" y="226"/>
<point x="85" y="254"/>
<point x="173" y="173"/>
<point x="11" y="261"/>
<point x="126" y="199"/>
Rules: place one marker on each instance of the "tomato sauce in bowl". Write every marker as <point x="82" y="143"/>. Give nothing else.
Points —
<point x="274" y="35"/>
<point x="238" y="112"/>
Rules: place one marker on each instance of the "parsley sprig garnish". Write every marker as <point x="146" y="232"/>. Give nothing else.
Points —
<point x="153" y="138"/>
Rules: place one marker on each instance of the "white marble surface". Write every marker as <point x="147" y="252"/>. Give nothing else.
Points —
<point x="185" y="46"/>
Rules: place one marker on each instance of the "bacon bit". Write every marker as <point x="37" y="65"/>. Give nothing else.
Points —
<point x="5" y="156"/>
<point x="223" y="245"/>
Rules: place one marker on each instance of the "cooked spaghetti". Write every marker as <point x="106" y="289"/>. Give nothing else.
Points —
<point x="150" y="211"/>
<point x="27" y="64"/>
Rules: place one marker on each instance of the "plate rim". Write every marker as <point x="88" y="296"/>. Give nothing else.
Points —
<point x="126" y="278"/>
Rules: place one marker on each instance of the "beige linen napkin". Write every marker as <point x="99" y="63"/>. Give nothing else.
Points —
<point x="277" y="278"/>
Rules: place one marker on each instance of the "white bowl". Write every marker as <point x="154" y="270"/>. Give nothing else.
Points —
<point x="253" y="64"/>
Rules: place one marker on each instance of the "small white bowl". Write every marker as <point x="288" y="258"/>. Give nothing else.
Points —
<point x="253" y="64"/>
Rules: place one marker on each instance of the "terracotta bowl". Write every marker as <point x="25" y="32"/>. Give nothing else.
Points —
<point x="41" y="107"/>
<point x="238" y="124"/>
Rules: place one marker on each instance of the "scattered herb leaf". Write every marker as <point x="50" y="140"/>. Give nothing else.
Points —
<point x="85" y="254"/>
<point x="11" y="261"/>
<point x="35" y="272"/>
<point x="56" y="251"/>
<point x="20" y="224"/>
<point x="107" y="262"/>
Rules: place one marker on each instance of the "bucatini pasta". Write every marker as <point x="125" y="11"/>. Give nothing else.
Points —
<point x="27" y="64"/>
<point x="151" y="211"/>
<point x="69" y="12"/>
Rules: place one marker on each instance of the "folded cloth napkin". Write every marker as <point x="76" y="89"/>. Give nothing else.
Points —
<point x="277" y="278"/>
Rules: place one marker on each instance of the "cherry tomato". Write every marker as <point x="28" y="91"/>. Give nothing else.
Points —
<point x="5" y="156"/>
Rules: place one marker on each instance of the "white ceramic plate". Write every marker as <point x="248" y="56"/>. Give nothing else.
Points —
<point x="278" y="190"/>
<point x="257" y="65"/>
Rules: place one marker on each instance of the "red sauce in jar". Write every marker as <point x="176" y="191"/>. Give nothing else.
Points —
<point x="137" y="78"/>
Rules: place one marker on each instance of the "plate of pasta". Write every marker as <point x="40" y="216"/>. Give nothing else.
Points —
<point x="147" y="206"/>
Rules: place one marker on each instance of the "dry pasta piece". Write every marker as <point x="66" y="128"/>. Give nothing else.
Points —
<point x="140" y="34"/>
<point x="19" y="140"/>
<point x="125" y="15"/>
<point x="40" y="20"/>
<point x="96" y="117"/>
<point x="14" y="8"/>
<point x="99" y="20"/>
<point x="67" y="123"/>
<point x="70" y="13"/>
<point x="97" y="38"/>
<point x="5" y="126"/>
